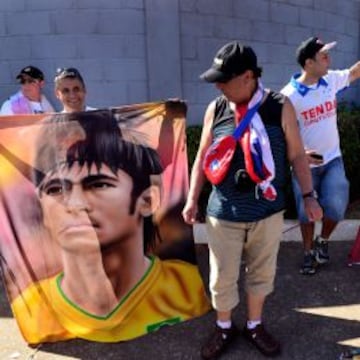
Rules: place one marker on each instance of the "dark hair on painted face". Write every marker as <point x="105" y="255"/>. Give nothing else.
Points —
<point x="94" y="138"/>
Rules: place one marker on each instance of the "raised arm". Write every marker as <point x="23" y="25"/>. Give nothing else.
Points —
<point x="354" y="72"/>
<point x="297" y="157"/>
<point x="197" y="178"/>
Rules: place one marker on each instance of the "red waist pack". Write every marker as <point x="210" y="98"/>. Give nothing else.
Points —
<point x="218" y="158"/>
<point x="219" y="155"/>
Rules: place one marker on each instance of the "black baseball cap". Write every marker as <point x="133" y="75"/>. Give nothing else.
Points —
<point x="31" y="71"/>
<point x="308" y="49"/>
<point x="231" y="60"/>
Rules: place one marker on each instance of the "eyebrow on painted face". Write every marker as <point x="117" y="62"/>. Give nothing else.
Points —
<point x="59" y="186"/>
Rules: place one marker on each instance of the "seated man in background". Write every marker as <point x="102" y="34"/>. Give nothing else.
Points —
<point x="29" y="99"/>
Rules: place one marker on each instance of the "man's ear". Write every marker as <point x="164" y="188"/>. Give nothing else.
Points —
<point x="249" y="76"/>
<point x="149" y="200"/>
<point x="308" y="62"/>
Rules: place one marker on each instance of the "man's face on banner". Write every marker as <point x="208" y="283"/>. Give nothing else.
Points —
<point x="85" y="209"/>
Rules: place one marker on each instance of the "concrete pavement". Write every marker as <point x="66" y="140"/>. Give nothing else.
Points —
<point x="345" y="230"/>
<point x="315" y="318"/>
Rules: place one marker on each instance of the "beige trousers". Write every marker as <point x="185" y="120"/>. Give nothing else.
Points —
<point x="257" y="243"/>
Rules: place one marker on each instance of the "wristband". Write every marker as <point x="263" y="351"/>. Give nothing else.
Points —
<point x="311" y="194"/>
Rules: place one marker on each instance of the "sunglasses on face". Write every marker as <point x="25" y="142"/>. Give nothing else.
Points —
<point x="228" y="78"/>
<point x="27" y="81"/>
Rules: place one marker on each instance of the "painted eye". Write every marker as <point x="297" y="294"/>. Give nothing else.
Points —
<point x="53" y="190"/>
<point x="99" y="185"/>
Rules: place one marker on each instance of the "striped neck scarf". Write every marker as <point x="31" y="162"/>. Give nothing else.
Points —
<point x="254" y="141"/>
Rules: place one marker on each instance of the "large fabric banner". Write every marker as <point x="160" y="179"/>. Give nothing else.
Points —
<point x="92" y="241"/>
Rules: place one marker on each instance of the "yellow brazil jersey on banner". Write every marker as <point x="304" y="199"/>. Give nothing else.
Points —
<point x="93" y="243"/>
<point x="170" y="292"/>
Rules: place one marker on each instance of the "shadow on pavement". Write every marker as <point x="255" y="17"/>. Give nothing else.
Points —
<point x="305" y="336"/>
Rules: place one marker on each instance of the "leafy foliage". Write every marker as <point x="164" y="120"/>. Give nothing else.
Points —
<point x="349" y="130"/>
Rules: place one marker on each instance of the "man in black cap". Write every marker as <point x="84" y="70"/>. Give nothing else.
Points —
<point x="245" y="208"/>
<point x="29" y="99"/>
<point x="313" y="95"/>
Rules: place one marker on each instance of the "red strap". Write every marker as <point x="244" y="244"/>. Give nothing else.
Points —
<point x="240" y="111"/>
<point x="249" y="165"/>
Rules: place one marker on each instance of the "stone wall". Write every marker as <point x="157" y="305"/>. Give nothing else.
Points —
<point x="273" y="28"/>
<point x="133" y="51"/>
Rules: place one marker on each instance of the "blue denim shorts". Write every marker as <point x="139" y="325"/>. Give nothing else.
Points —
<point x="332" y="187"/>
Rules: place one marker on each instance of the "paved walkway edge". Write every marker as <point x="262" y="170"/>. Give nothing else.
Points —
<point x="346" y="230"/>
